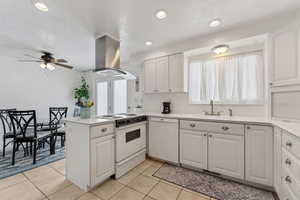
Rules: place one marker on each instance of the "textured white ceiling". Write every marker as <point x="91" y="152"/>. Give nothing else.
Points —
<point x="69" y="28"/>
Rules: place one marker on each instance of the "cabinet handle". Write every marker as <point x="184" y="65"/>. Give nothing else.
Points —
<point x="103" y="130"/>
<point x="205" y="134"/>
<point x="288" y="161"/>
<point x="170" y="90"/>
<point x="288" y="179"/>
<point x="161" y="119"/>
<point x="192" y="125"/>
<point x="248" y="127"/>
<point x="289" y="144"/>
<point x="225" y="128"/>
<point x="210" y="136"/>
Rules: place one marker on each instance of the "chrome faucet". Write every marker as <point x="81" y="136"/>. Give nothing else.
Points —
<point x="230" y="112"/>
<point x="211" y="106"/>
<point x="212" y="112"/>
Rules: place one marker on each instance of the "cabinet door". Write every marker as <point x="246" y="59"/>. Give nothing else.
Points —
<point x="163" y="139"/>
<point x="277" y="160"/>
<point x="150" y="76"/>
<point x="176" y="73"/>
<point x="193" y="148"/>
<point x="259" y="154"/>
<point x="286" y="68"/>
<point x="226" y="154"/>
<point x="162" y="74"/>
<point x="102" y="159"/>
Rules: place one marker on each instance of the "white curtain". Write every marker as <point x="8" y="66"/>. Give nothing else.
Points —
<point x="234" y="79"/>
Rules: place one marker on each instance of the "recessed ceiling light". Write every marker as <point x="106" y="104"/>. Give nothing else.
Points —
<point x="220" y="49"/>
<point x="41" y="6"/>
<point x="148" y="43"/>
<point x="215" y="23"/>
<point x="161" y="14"/>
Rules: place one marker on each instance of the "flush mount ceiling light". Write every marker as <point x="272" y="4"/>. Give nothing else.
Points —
<point x="161" y="14"/>
<point x="215" y="23"/>
<point x="220" y="49"/>
<point x="41" y="5"/>
<point x="148" y="43"/>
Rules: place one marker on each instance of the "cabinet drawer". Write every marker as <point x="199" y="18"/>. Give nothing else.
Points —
<point x="292" y="144"/>
<point x="291" y="163"/>
<point x="237" y="129"/>
<point x="292" y="185"/>
<point x="98" y="131"/>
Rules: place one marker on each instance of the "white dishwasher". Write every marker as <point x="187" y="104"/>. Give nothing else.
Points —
<point x="163" y="139"/>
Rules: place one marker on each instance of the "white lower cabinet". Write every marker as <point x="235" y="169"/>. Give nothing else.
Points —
<point x="163" y="139"/>
<point x="226" y="154"/>
<point x="259" y="154"/>
<point x="277" y="160"/>
<point x="193" y="148"/>
<point x="102" y="159"/>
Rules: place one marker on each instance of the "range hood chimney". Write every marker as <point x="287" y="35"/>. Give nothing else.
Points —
<point x="108" y="58"/>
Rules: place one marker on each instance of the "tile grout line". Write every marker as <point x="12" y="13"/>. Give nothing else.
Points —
<point x="36" y="186"/>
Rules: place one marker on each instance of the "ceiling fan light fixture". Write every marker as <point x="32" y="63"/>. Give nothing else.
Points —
<point x="41" y="6"/>
<point x="220" y="49"/>
<point x="50" y="67"/>
<point x="43" y="65"/>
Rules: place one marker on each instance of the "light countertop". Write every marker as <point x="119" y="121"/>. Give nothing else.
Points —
<point x="93" y="121"/>
<point x="291" y="127"/>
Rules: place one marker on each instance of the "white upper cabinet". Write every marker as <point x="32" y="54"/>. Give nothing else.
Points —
<point x="176" y="73"/>
<point x="164" y="74"/>
<point x="259" y="154"/>
<point x="286" y="61"/>
<point x="150" y="76"/>
<point x="226" y="154"/>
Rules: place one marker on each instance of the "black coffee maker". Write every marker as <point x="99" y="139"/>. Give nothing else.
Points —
<point x="166" y="107"/>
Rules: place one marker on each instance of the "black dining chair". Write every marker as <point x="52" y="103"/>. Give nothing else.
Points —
<point x="25" y="131"/>
<point x="57" y="129"/>
<point x="8" y="134"/>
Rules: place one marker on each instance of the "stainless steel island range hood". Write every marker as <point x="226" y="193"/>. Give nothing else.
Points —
<point x="108" y="59"/>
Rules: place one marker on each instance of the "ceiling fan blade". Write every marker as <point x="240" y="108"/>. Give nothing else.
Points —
<point x="63" y="65"/>
<point x="61" y="60"/>
<point x="31" y="56"/>
<point x="30" y="60"/>
<point x="46" y="53"/>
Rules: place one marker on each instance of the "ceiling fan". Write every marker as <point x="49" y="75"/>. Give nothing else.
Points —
<point x="48" y="61"/>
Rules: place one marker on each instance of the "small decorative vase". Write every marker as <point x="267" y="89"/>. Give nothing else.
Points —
<point x="85" y="113"/>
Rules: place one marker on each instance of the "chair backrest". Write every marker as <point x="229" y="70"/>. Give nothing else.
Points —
<point x="23" y="123"/>
<point x="5" y="119"/>
<point x="57" y="114"/>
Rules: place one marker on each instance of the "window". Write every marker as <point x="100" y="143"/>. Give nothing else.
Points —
<point x="111" y="97"/>
<point x="234" y="79"/>
<point x="102" y="98"/>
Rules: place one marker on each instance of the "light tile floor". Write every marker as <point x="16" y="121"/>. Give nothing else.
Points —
<point x="48" y="183"/>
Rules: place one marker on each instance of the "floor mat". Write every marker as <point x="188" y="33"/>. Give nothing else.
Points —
<point x="210" y="185"/>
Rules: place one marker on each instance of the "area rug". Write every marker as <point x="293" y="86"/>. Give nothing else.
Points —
<point x="22" y="163"/>
<point x="213" y="186"/>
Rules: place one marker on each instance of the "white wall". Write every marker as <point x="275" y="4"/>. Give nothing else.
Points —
<point x="26" y="86"/>
<point x="152" y="103"/>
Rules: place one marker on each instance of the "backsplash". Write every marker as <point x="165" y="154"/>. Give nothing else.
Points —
<point x="180" y="104"/>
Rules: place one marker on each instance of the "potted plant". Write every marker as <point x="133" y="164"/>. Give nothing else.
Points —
<point x="81" y="95"/>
